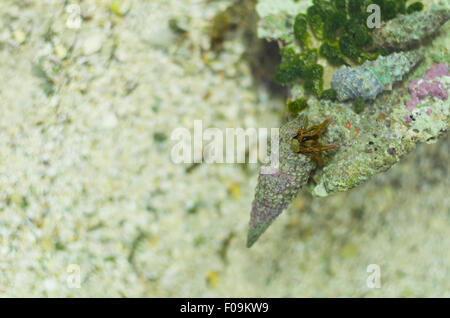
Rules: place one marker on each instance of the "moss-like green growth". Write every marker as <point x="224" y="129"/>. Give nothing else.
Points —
<point x="358" y="34"/>
<point x="401" y="6"/>
<point x="355" y="7"/>
<point x="314" y="71"/>
<point x="339" y="5"/>
<point x="313" y="86"/>
<point x="288" y="53"/>
<point x="299" y="66"/>
<point x="331" y="53"/>
<point x="335" y="23"/>
<point x="285" y="74"/>
<point x="297" y="105"/>
<point x="315" y="22"/>
<point x="310" y="57"/>
<point x="329" y="94"/>
<point x="291" y="67"/>
<point x="324" y="7"/>
<point x="390" y="9"/>
<point x="416" y="6"/>
<point x="348" y="48"/>
<point x="313" y="79"/>
<point x="301" y="30"/>
<point x="359" y="105"/>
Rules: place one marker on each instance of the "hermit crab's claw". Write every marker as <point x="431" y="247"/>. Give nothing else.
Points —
<point x="278" y="188"/>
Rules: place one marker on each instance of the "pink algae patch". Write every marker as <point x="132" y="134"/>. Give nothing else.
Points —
<point x="428" y="86"/>
<point x="437" y="70"/>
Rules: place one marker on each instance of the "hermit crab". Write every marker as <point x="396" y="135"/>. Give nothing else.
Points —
<point x="307" y="142"/>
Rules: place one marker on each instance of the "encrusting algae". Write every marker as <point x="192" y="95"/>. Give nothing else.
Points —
<point x="408" y="31"/>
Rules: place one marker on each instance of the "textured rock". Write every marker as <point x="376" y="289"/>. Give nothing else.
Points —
<point x="408" y="31"/>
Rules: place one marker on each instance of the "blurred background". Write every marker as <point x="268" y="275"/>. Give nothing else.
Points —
<point x="92" y="205"/>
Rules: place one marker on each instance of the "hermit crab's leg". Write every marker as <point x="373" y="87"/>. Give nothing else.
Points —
<point x="302" y="138"/>
<point x="307" y="143"/>
<point x="317" y="158"/>
<point x="322" y="126"/>
<point x="313" y="149"/>
<point x="315" y="130"/>
<point x="325" y="148"/>
<point x="309" y="132"/>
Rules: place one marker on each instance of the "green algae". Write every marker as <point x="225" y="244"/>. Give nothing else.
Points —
<point x="359" y="105"/>
<point x="297" y="105"/>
